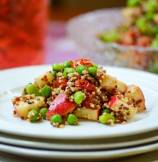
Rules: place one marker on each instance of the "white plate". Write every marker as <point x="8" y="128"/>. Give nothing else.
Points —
<point x="80" y="155"/>
<point x="109" y="143"/>
<point x="15" y="79"/>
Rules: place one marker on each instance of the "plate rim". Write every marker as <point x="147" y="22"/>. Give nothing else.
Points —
<point x="79" y="155"/>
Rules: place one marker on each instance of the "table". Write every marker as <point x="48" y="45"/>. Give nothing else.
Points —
<point x="148" y="157"/>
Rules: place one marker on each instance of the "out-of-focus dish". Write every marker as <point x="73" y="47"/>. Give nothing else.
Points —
<point x="86" y="30"/>
<point x="79" y="89"/>
<point x="140" y="27"/>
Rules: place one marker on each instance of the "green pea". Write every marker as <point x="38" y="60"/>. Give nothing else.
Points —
<point x="72" y="119"/>
<point x="31" y="89"/>
<point x="140" y="23"/>
<point x="92" y="70"/>
<point x="106" y="118"/>
<point x="154" y="68"/>
<point x="33" y="115"/>
<point x="67" y="71"/>
<point x="155" y="43"/>
<point x="45" y="91"/>
<point x="57" y="67"/>
<point x="133" y="3"/>
<point x="79" y="97"/>
<point x="67" y="64"/>
<point x="145" y="26"/>
<point x="54" y="73"/>
<point x="43" y="112"/>
<point x="110" y="36"/>
<point x="154" y="29"/>
<point x="149" y="16"/>
<point x="151" y="5"/>
<point x="56" y="119"/>
<point x="80" y="69"/>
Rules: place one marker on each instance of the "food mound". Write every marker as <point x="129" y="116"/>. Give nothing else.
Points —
<point x="75" y="90"/>
<point x="140" y="27"/>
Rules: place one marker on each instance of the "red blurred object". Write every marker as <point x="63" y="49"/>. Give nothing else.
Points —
<point x="22" y="31"/>
<point x="144" y="41"/>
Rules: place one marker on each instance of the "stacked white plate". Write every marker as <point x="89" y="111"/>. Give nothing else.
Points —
<point x="88" y="140"/>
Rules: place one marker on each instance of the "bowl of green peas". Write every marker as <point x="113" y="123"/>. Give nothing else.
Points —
<point x="125" y="37"/>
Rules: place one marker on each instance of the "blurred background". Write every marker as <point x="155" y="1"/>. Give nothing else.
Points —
<point x="38" y="32"/>
<point x="27" y="38"/>
<point x="60" y="12"/>
<point x="65" y="9"/>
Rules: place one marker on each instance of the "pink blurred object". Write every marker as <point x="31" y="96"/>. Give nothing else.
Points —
<point x="58" y="46"/>
<point x="22" y="32"/>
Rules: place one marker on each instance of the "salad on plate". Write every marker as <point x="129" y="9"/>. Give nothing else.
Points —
<point x="75" y="90"/>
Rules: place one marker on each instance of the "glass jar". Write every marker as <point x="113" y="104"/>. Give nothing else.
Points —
<point x="22" y="32"/>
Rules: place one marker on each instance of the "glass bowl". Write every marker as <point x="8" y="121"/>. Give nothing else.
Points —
<point x="84" y="29"/>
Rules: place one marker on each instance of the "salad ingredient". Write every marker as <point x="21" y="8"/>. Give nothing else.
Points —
<point x="151" y="6"/>
<point x="87" y="113"/>
<point x="67" y="64"/>
<point x="107" y="118"/>
<point x="111" y="36"/>
<point x="122" y="108"/>
<point x="80" y="69"/>
<point x="31" y="89"/>
<point x="45" y="91"/>
<point x="135" y="94"/>
<point x="155" y="42"/>
<point x="56" y="119"/>
<point x="43" y="112"/>
<point x="57" y="67"/>
<point x="154" y="68"/>
<point x="67" y="71"/>
<point x="82" y="61"/>
<point x="33" y="115"/>
<point x="92" y="70"/>
<point x="133" y="3"/>
<point x="84" y="84"/>
<point x="25" y="103"/>
<point x="72" y="119"/>
<point x="61" y="82"/>
<point x="45" y="79"/>
<point x="79" y="97"/>
<point x="110" y="83"/>
<point x="61" y="105"/>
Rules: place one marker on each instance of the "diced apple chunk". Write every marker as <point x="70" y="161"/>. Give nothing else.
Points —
<point x="121" y="86"/>
<point x="120" y="105"/>
<point x="109" y="83"/>
<point x="24" y="104"/>
<point x="135" y="94"/>
<point x="44" y="79"/>
<point x="87" y="113"/>
<point x="61" y="105"/>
